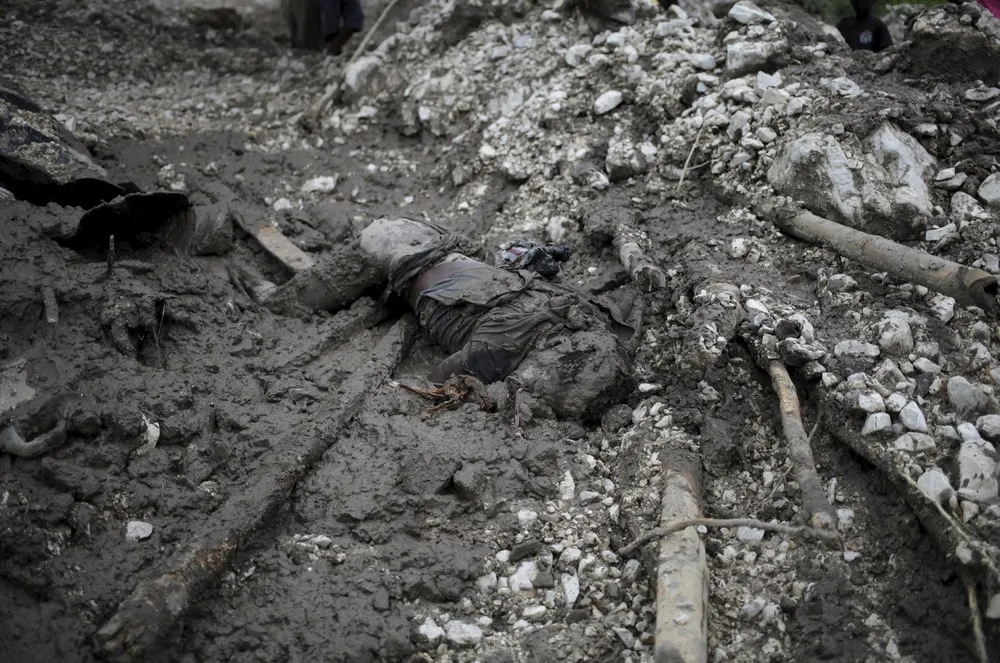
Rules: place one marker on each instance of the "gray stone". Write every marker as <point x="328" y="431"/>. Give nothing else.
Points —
<point x="841" y="86"/>
<point x="363" y="77"/>
<point x="461" y="634"/>
<point x="814" y="169"/>
<point x="989" y="190"/>
<point x="867" y="400"/>
<point x="989" y="426"/>
<point x="943" y="308"/>
<point x="925" y="365"/>
<point x="527" y="518"/>
<point x="137" y="530"/>
<point x="766" y="135"/>
<point x="607" y="102"/>
<point x="965" y="209"/>
<point x="534" y="613"/>
<point x="841" y="283"/>
<point x="937" y="233"/>
<point x="935" y="484"/>
<point x="738" y="125"/>
<point x="913" y="418"/>
<point x="626" y="636"/>
<point x="745" y="57"/>
<point x="895" y="337"/>
<point x="754" y="607"/>
<point x="967" y="397"/>
<point x="876" y="423"/>
<point x="748" y="13"/>
<point x="967" y="431"/>
<point x="487" y="581"/>
<point x="625" y="160"/>
<point x="977" y="471"/>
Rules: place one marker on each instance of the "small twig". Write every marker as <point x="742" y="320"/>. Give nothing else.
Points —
<point x="111" y="256"/>
<point x="687" y="161"/>
<point x="779" y="528"/>
<point x="976" y="619"/>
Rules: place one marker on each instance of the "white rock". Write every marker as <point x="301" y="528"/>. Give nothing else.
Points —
<point x="748" y="13"/>
<point x="744" y="57"/>
<point x="749" y="534"/>
<point x="703" y="61"/>
<point x="977" y="471"/>
<point x="571" y="588"/>
<point x="934" y="483"/>
<point x="852" y="348"/>
<point x="570" y="556"/>
<point x="937" y="233"/>
<point x="431" y="631"/>
<point x="766" y="135"/>
<point x="534" y="613"/>
<point x="739" y="247"/>
<point x="607" y="102"/>
<point x="895" y="402"/>
<point x="814" y="168"/>
<point x="845" y="519"/>
<point x="989" y="190"/>
<point x="989" y="426"/>
<point x="567" y="487"/>
<point x="895" y="337"/>
<point x="993" y="610"/>
<point x="323" y="184"/>
<point x="527" y="517"/>
<point x="137" y="530"/>
<point x="867" y="400"/>
<point x="523" y="578"/>
<point x="487" y="581"/>
<point x="925" y="365"/>
<point x="876" y="422"/>
<point x="842" y="86"/>
<point x="967" y="431"/>
<point x="965" y="209"/>
<point x="796" y="106"/>
<point x="912" y="418"/>
<point x="461" y="634"/>
<point x="282" y="204"/>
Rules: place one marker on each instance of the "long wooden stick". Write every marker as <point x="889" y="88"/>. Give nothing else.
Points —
<point x="154" y="606"/>
<point x="968" y="285"/>
<point x="311" y="118"/>
<point x="819" y="513"/>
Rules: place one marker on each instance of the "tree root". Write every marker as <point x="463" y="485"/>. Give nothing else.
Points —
<point x="804" y="531"/>
<point x="149" y="613"/>
<point x="976" y="620"/>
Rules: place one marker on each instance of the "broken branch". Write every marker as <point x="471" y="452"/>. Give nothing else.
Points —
<point x="976" y="620"/>
<point x="777" y="528"/>
<point x="145" y="616"/>
<point x="682" y="574"/>
<point x="818" y="512"/>
<point x="968" y="285"/>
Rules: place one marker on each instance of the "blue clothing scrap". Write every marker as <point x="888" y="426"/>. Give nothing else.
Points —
<point x="337" y="15"/>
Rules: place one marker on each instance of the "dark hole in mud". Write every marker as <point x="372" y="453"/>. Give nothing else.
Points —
<point x="132" y="219"/>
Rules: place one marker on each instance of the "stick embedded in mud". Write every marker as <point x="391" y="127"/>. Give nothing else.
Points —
<point x="145" y="616"/>
<point x="818" y="512"/>
<point x="968" y="285"/>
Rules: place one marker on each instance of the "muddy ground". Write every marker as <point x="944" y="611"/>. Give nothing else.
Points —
<point x="404" y="515"/>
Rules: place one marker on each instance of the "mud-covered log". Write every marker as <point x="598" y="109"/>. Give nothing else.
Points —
<point x="145" y="616"/>
<point x="682" y="572"/>
<point x="818" y="511"/>
<point x="968" y="285"/>
<point x="631" y="245"/>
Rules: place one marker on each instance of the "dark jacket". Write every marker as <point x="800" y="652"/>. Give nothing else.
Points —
<point x="865" y="33"/>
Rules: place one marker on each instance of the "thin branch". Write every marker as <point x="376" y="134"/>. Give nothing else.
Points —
<point x="977" y="621"/>
<point x="779" y="528"/>
<point x="687" y="161"/>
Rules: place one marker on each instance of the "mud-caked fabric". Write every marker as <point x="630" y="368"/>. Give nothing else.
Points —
<point x="337" y="15"/>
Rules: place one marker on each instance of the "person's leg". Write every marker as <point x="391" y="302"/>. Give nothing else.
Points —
<point x="352" y="20"/>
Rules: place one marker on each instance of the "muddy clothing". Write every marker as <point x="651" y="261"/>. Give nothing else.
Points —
<point x="338" y="15"/>
<point x="490" y="319"/>
<point x="993" y="6"/>
<point x="865" y="33"/>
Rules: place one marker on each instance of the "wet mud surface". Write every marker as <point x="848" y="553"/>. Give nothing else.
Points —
<point x="404" y="513"/>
